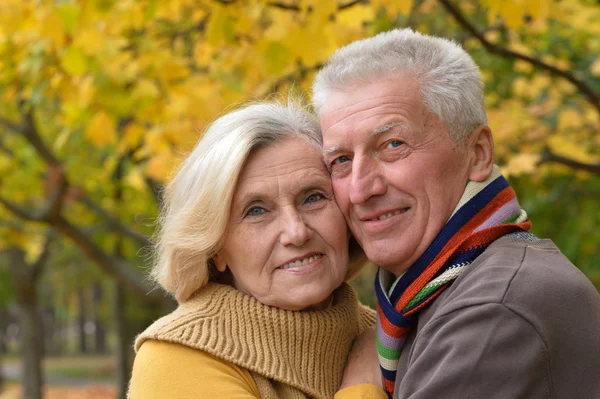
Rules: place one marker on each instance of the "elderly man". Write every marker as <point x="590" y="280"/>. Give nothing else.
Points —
<point x="470" y="304"/>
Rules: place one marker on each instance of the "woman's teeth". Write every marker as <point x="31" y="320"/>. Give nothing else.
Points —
<point x="301" y="262"/>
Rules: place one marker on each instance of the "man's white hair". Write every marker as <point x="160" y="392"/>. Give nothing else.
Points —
<point x="448" y="78"/>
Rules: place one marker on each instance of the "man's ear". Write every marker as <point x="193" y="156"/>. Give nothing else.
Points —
<point x="481" y="149"/>
<point x="220" y="262"/>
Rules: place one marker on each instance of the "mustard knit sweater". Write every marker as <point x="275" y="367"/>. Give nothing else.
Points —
<point x="288" y="354"/>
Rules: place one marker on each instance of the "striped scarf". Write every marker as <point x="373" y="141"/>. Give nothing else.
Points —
<point x="486" y="212"/>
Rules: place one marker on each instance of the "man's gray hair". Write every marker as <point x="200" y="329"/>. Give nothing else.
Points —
<point x="449" y="79"/>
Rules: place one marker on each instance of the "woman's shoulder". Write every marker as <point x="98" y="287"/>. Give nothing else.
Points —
<point x="163" y="369"/>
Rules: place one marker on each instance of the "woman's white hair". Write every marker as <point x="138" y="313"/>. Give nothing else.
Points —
<point x="449" y="80"/>
<point x="196" y="207"/>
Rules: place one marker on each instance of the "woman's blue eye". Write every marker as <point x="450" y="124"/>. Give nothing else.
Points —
<point x="395" y="143"/>
<point x="255" y="211"/>
<point x="314" y="198"/>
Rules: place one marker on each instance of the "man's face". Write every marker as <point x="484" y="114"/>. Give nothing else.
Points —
<point x="396" y="173"/>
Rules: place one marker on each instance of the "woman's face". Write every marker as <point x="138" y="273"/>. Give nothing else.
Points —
<point x="287" y="241"/>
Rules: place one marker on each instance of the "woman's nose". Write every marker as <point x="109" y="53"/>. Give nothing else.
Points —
<point x="294" y="230"/>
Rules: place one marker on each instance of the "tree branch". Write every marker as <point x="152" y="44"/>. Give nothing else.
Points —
<point x="38" y="265"/>
<point x="350" y="4"/>
<point x="291" y="78"/>
<point x="19" y="212"/>
<point x="32" y="135"/>
<point x="58" y="183"/>
<point x="53" y="206"/>
<point x="547" y="156"/>
<point x="293" y="7"/>
<point x="10" y="125"/>
<point x="156" y="189"/>
<point x="591" y="96"/>
<point x="120" y="270"/>
<point x="6" y="150"/>
<point x="114" y="223"/>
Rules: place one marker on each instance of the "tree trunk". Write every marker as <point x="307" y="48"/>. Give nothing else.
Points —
<point x="122" y="341"/>
<point x="81" y="321"/>
<point x="2" y="325"/>
<point x="100" y="333"/>
<point x="49" y="327"/>
<point x="24" y="278"/>
<point x="32" y="350"/>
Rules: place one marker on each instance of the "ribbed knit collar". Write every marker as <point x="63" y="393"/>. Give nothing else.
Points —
<point x="306" y="350"/>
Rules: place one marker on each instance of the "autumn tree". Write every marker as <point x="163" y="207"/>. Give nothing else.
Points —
<point x="100" y="97"/>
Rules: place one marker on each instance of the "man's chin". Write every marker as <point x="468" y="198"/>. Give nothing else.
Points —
<point x="393" y="262"/>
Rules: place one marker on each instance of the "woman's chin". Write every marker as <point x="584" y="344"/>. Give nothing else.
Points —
<point x="314" y="302"/>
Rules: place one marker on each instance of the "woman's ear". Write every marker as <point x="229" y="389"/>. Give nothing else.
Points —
<point x="481" y="148"/>
<point x="220" y="262"/>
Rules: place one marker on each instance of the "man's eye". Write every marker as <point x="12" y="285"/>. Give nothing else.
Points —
<point x="255" y="211"/>
<point x="341" y="159"/>
<point x="395" y="144"/>
<point x="314" y="198"/>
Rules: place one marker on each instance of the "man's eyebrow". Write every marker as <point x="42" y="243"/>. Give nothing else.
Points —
<point x="335" y="148"/>
<point x="385" y="128"/>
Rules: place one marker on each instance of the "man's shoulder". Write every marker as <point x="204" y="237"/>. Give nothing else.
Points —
<point x="526" y="276"/>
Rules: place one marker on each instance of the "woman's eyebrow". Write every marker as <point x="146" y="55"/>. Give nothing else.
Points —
<point x="249" y="196"/>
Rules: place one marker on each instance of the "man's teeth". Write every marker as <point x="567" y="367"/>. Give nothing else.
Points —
<point x="389" y="215"/>
<point x="301" y="262"/>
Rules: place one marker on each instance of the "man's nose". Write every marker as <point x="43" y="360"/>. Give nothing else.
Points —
<point x="366" y="179"/>
<point x="294" y="230"/>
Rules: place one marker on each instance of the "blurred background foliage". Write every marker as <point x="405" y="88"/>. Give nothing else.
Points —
<point x="101" y="99"/>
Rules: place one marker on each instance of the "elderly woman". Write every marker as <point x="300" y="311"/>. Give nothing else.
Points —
<point x="255" y="250"/>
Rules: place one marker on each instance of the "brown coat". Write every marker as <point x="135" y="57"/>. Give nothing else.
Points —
<point x="521" y="322"/>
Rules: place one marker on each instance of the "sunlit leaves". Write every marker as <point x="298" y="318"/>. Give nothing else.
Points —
<point x="74" y="61"/>
<point x="101" y="129"/>
<point x="137" y="77"/>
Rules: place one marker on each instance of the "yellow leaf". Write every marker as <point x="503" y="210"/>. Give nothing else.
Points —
<point x="52" y="28"/>
<point x="86" y="91"/>
<point x="133" y="134"/>
<point x="393" y="7"/>
<point x="595" y="67"/>
<point x="74" y="61"/>
<point x="519" y="86"/>
<point x="203" y="53"/>
<point x="159" y="167"/>
<point x="569" y="119"/>
<point x="274" y="56"/>
<point x="219" y="29"/>
<point x="135" y="179"/>
<point x="69" y="15"/>
<point x="145" y="88"/>
<point x="33" y="247"/>
<point x="523" y="67"/>
<point x="592" y="117"/>
<point x="354" y="17"/>
<point x="91" y="41"/>
<point x="62" y="138"/>
<point x="559" y="144"/>
<point x="521" y="163"/>
<point x="404" y="6"/>
<point x="322" y="10"/>
<point x="520" y="48"/>
<point x="101" y="130"/>
<point x="279" y="30"/>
